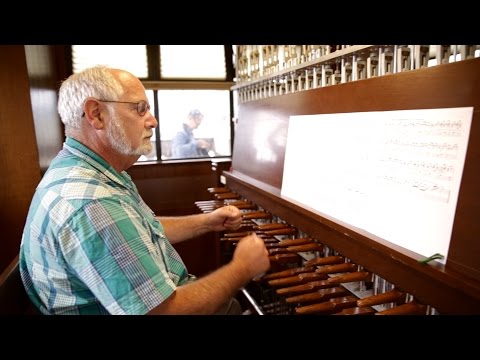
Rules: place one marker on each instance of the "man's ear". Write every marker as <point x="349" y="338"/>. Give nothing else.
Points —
<point x="92" y="113"/>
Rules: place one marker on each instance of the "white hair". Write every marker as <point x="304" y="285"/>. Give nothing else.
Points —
<point x="97" y="82"/>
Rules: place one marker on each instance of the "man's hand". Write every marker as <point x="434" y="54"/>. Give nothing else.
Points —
<point x="252" y="255"/>
<point x="202" y="144"/>
<point x="225" y="218"/>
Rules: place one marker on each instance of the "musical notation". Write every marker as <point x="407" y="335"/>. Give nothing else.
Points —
<point x="377" y="167"/>
<point x="430" y="149"/>
<point x="428" y="189"/>
<point x="425" y="127"/>
<point x="421" y="155"/>
<point x="417" y="124"/>
<point x="426" y="169"/>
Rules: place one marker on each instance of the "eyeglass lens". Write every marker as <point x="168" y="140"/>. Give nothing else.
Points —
<point x="142" y="107"/>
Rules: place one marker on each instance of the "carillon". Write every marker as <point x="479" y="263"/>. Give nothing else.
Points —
<point x="324" y="265"/>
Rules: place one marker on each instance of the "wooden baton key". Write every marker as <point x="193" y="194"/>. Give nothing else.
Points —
<point x="227" y="195"/>
<point x="306" y="247"/>
<point x="331" y="282"/>
<point x="277" y="250"/>
<point x="271" y="226"/>
<point x="237" y="234"/>
<point x="329" y="307"/>
<point x="285" y="258"/>
<point x="350" y="277"/>
<point x="284" y="231"/>
<point x="410" y="308"/>
<point x="297" y="279"/>
<point x="217" y="190"/>
<point x="389" y="296"/>
<point x="357" y="311"/>
<point x="256" y="215"/>
<point x="304" y="288"/>
<point x="275" y="280"/>
<point x="287" y="273"/>
<point x="319" y="295"/>
<point x="337" y="268"/>
<point x="300" y="278"/>
<point x="295" y="242"/>
<point x="329" y="260"/>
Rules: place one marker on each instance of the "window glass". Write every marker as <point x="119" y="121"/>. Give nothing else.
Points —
<point x="132" y="58"/>
<point x="181" y="63"/>
<point x="192" y="62"/>
<point x="214" y="127"/>
<point x="153" y="154"/>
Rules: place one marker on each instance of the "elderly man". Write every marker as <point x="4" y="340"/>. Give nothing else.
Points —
<point x="91" y="245"/>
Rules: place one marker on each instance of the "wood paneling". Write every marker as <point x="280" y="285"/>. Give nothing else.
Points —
<point x="19" y="156"/>
<point x="13" y="297"/>
<point x="174" y="187"/>
<point x="44" y="84"/>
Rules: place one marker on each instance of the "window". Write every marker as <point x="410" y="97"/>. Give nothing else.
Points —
<point x="177" y="79"/>
<point x="84" y="56"/>
<point x="208" y="62"/>
<point x="214" y="128"/>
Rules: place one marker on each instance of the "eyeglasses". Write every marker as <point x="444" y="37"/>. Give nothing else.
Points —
<point x="142" y="105"/>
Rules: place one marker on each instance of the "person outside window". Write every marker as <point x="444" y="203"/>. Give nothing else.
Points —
<point x="184" y="143"/>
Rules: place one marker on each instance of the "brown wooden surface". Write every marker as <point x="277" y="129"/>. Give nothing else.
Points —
<point x="45" y="76"/>
<point x="173" y="188"/>
<point x="18" y="155"/>
<point x="257" y="169"/>
<point x="13" y="298"/>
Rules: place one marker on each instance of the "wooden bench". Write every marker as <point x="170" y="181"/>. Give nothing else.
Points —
<point x="13" y="297"/>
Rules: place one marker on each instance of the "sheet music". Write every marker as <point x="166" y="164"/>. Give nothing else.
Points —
<point x="395" y="174"/>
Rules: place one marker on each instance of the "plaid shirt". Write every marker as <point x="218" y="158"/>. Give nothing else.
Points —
<point x="91" y="245"/>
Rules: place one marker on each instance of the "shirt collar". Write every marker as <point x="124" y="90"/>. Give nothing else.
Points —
<point x="96" y="161"/>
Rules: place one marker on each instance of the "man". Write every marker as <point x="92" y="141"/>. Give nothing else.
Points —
<point x="91" y="245"/>
<point x="184" y="144"/>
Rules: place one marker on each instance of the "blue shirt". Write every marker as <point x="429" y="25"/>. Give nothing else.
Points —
<point x="184" y="144"/>
<point x="91" y="245"/>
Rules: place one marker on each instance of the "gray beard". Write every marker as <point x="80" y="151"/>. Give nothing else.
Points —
<point x="119" y="140"/>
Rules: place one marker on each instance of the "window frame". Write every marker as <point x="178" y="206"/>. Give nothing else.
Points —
<point x="155" y="82"/>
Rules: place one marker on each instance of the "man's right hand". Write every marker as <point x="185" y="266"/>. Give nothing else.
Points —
<point x="252" y="255"/>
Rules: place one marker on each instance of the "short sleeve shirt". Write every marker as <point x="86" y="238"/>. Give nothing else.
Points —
<point x="91" y="245"/>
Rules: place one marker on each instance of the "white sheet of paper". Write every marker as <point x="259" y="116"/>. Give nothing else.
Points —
<point x="394" y="174"/>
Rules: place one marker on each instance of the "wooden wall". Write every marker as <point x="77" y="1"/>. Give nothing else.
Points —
<point x="45" y="71"/>
<point x="31" y="131"/>
<point x="18" y="155"/>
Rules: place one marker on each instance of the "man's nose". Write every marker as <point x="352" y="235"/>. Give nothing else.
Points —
<point x="152" y="121"/>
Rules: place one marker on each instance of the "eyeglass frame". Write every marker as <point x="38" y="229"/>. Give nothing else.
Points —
<point x="147" y="108"/>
